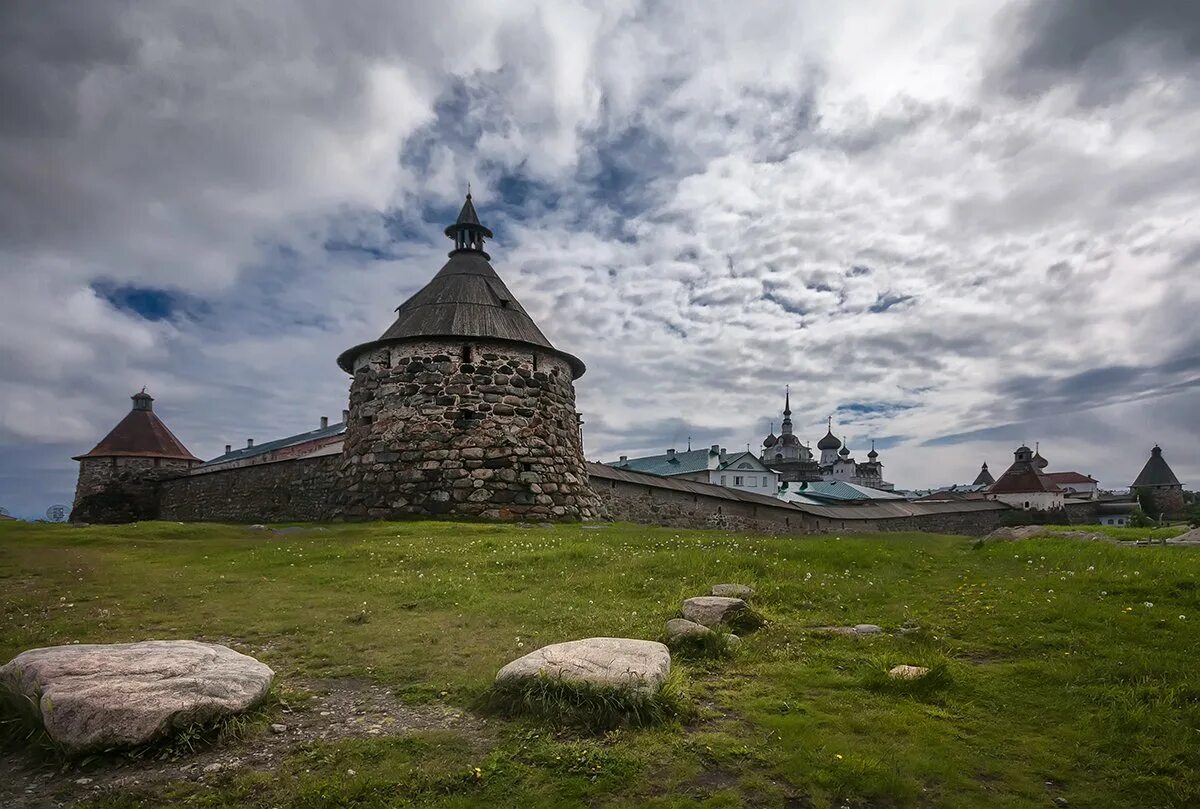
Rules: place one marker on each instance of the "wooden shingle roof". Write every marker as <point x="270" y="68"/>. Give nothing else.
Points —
<point x="1156" y="472"/>
<point x="141" y="434"/>
<point x="466" y="298"/>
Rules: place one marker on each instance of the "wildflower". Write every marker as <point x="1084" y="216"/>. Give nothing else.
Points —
<point x="838" y="756"/>
<point x="1147" y="603"/>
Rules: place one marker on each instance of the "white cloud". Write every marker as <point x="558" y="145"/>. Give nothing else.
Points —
<point x="719" y="203"/>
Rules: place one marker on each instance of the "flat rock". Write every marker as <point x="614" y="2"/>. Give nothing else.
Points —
<point x="905" y="672"/>
<point x="712" y="610"/>
<point x="732" y="591"/>
<point x="857" y="629"/>
<point x="641" y="665"/>
<point x="105" y="696"/>
<point x="683" y="628"/>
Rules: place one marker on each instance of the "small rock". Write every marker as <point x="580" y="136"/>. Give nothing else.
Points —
<point x="211" y="768"/>
<point x="866" y="629"/>
<point x="733" y="641"/>
<point x="712" y="610"/>
<point x="732" y="591"/>
<point x="278" y="728"/>
<point x="1061" y="801"/>
<point x="905" y="672"/>
<point x="682" y="628"/>
<point x="83" y="781"/>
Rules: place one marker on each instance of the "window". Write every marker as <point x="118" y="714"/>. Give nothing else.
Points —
<point x="766" y="483"/>
<point x="738" y="480"/>
<point x="1026" y="504"/>
<point x="722" y="480"/>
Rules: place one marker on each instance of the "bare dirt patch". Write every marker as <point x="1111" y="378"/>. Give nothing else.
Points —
<point x="325" y="711"/>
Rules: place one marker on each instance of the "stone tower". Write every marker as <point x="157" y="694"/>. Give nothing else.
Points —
<point x="463" y="407"/>
<point x="118" y="477"/>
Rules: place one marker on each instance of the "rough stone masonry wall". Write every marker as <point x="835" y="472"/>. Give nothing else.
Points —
<point x="292" y="490"/>
<point x="119" y="490"/>
<point x="482" y="429"/>
<point x="653" y="505"/>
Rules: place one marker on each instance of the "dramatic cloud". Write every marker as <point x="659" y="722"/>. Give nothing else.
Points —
<point x="954" y="229"/>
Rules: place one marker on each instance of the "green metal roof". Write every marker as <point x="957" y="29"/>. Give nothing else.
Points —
<point x="665" y="465"/>
<point x="840" y="490"/>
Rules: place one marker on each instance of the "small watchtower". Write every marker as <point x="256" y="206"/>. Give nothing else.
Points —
<point x="462" y="406"/>
<point x="117" y="477"/>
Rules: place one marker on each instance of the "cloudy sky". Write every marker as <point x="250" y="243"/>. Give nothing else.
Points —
<point x="953" y="226"/>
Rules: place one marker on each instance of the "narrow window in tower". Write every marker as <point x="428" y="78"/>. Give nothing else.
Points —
<point x="466" y="354"/>
<point x="535" y="362"/>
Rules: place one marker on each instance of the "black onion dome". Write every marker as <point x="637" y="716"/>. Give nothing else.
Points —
<point x="466" y="299"/>
<point x="770" y="440"/>
<point x="830" y="441"/>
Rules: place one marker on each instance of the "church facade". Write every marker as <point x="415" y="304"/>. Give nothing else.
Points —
<point x="795" y="462"/>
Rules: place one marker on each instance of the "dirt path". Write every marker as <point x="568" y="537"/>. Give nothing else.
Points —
<point x="336" y="709"/>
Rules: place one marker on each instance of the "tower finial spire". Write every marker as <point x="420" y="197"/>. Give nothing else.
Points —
<point x="787" y="400"/>
<point x="468" y="232"/>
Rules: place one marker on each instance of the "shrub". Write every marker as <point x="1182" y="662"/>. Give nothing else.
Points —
<point x="1138" y="519"/>
<point x="592" y="708"/>
<point x="876" y="678"/>
<point x="714" y="645"/>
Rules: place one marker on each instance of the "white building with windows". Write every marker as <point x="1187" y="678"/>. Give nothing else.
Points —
<point x="737" y="470"/>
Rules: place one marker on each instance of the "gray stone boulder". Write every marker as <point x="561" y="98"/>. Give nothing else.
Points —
<point x="678" y="628"/>
<point x="639" y="665"/>
<point x="731" y="591"/>
<point x="105" y="696"/>
<point x="713" y="610"/>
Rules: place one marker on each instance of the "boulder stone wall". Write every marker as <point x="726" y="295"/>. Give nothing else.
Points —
<point x="122" y="489"/>
<point x="455" y="428"/>
<point x="293" y="490"/>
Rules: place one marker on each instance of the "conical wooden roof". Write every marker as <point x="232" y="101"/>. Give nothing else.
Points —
<point x="1156" y="472"/>
<point x="141" y="434"/>
<point x="465" y="299"/>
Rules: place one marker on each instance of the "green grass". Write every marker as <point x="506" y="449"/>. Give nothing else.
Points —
<point x="592" y="709"/>
<point x="1122" y="533"/>
<point x="1058" y="661"/>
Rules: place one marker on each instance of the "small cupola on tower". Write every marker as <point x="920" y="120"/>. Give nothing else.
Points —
<point x="873" y="455"/>
<point x="467" y="232"/>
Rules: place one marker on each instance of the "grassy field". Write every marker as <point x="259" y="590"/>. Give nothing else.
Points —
<point x="1069" y="669"/>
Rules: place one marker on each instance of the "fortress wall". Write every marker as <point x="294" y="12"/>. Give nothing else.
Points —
<point x="640" y="498"/>
<point x="654" y="505"/>
<point x="291" y="490"/>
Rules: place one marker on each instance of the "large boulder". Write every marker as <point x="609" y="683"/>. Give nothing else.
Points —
<point x="105" y="696"/>
<point x="713" y="610"/>
<point x="732" y="591"/>
<point x="640" y="665"/>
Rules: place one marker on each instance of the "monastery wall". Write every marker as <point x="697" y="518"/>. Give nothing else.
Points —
<point x="291" y="490"/>
<point x="309" y="490"/>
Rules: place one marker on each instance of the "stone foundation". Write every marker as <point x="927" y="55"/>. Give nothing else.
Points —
<point x="480" y="429"/>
